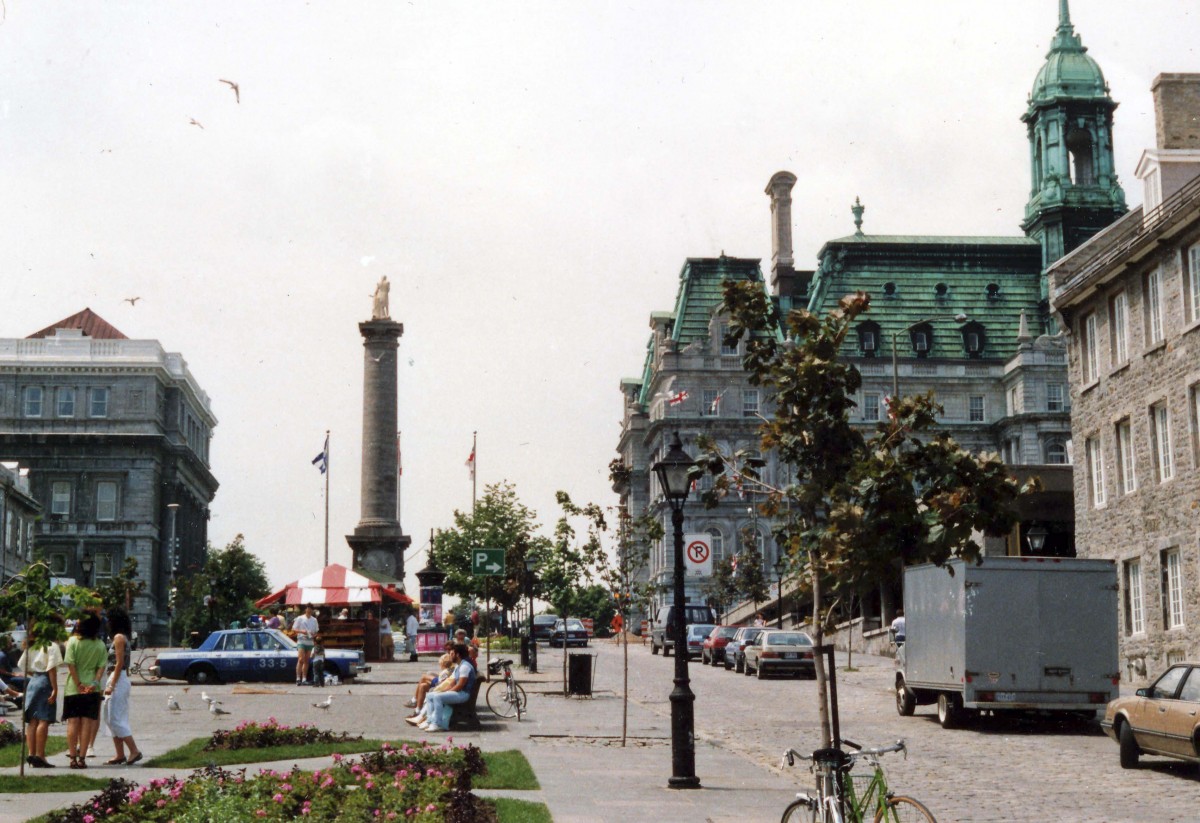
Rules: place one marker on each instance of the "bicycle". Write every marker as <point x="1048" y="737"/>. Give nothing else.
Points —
<point x="143" y="665"/>
<point x="839" y="800"/>
<point x="505" y="697"/>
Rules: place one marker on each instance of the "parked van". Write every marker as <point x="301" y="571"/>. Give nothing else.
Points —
<point x="662" y="633"/>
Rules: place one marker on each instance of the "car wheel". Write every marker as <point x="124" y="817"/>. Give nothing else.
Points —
<point x="746" y="668"/>
<point x="739" y="666"/>
<point x="1129" y="747"/>
<point x="201" y="675"/>
<point x="759" y="673"/>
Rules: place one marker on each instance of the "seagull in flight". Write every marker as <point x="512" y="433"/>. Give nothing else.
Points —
<point x="173" y="704"/>
<point x="194" y="122"/>
<point x="324" y="704"/>
<point x="131" y="300"/>
<point x="215" y="709"/>
<point x="237" y="94"/>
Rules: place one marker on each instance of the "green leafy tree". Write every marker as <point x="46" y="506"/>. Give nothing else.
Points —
<point x="220" y="591"/>
<point x="500" y="521"/>
<point x="29" y="598"/>
<point x="854" y="508"/>
<point x="594" y="601"/>
<point x="570" y="561"/>
<point x="122" y="587"/>
<point x="720" y="589"/>
<point x="751" y="579"/>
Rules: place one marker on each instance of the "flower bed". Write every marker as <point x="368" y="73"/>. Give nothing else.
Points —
<point x="421" y="783"/>
<point x="252" y="735"/>
<point x="9" y="734"/>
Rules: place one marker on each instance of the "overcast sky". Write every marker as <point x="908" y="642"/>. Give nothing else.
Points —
<point x="530" y="176"/>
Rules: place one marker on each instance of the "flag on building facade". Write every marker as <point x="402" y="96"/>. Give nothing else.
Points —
<point x="678" y="397"/>
<point x="715" y="406"/>
<point x="321" y="461"/>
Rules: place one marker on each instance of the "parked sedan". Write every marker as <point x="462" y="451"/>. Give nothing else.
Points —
<point x="574" y="632"/>
<point x="251" y="655"/>
<point x="695" y="635"/>
<point x="713" y="649"/>
<point x="543" y="626"/>
<point x="1162" y="719"/>
<point x="779" y="652"/>
<point x="735" y="650"/>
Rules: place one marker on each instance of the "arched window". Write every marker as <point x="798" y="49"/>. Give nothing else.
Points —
<point x="868" y="338"/>
<point x="974" y="339"/>
<point x="718" y="543"/>
<point x="1056" y="452"/>
<point x="1079" y="145"/>
<point x="922" y="339"/>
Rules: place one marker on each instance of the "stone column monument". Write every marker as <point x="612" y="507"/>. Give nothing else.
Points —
<point x="378" y="541"/>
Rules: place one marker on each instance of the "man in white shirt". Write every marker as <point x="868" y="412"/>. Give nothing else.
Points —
<point x="306" y="627"/>
<point x="898" y="628"/>
<point x="411" y="628"/>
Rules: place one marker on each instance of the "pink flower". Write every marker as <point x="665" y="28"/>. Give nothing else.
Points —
<point x="337" y="758"/>
<point x="431" y="807"/>
<point x="260" y="813"/>
<point x="161" y="803"/>
<point x="87" y="818"/>
<point x="278" y="798"/>
<point x="287" y="787"/>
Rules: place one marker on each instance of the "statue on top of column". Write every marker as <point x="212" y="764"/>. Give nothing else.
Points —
<point x="379" y="306"/>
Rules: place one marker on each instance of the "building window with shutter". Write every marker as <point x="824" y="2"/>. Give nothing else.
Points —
<point x="1160" y="440"/>
<point x="1118" y="328"/>
<point x="1172" y="589"/>
<point x="1095" y="466"/>
<point x="1152" y="297"/>
<point x="1126" y="474"/>
<point x="1087" y="349"/>
<point x="1135" y="620"/>
<point x="1191" y="284"/>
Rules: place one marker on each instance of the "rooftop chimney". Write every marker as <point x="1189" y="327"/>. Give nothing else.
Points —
<point x="782" y="265"/>
<point x="1175" y="161"/>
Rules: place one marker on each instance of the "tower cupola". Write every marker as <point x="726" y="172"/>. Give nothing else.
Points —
<point x="1075" y="192"/>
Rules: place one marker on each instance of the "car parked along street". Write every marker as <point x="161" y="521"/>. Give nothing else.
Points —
<point x="1161" y="719"/>
<point x="780" y="652"/>
<point x="712" y="651"/>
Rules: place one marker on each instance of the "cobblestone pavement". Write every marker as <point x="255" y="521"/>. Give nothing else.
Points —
<point x="994" y="770"/>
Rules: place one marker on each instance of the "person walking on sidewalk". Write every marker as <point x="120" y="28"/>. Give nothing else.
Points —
<point x="411" y="628"/>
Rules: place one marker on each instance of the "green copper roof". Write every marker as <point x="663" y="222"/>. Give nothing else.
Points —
<point x="1068" y="71"/>
<point x="700" y="292"/>
<point x="989" y="279"/>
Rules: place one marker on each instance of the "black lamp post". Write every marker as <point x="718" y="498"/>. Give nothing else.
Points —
<point x="530" y="565"/>
<point x="674" y="479"/>
<point x="1037" y="538"/>
<point x="780" y="565"/>
<point x="86" y="564"/>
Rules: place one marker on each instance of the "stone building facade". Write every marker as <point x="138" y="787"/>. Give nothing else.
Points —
<point x="1130" y="302"/>
<point x="19" y="514"/>
<point x="114" y="431"/>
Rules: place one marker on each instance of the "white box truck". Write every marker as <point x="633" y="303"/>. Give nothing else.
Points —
<point x="1034" y="634"/>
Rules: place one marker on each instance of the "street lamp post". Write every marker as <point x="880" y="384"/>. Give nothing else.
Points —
<point x="1037" y="538"/>
<point x="86" y="564"/>
<point x="959" y="318"/>
<point x="172" y="508"/>
<point x="673" y="477"/>
<point x="530" y="566"/>
<point x="780" y="564"/>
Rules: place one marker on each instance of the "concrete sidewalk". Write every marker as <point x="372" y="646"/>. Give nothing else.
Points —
<point x="573" y="744"/>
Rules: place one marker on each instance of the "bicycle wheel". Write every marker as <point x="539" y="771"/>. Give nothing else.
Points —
<point x="798" y="811"/>
<point x="144" y="669"/>
<point x="497" y="699"/>
<point x="900" y="809"/>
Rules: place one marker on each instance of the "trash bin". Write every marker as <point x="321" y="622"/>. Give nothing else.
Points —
<point x="579" y="674"/>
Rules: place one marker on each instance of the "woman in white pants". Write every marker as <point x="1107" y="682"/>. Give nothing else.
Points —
<point x="116" y="690"/>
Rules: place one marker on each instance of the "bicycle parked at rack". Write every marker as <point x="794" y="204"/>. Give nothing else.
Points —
<point x="505" y="697"/>
<point x="841" y="798"/>
<point x="143" y="666"/>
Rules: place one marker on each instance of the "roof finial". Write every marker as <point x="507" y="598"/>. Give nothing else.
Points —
<point x="858" y="209"/>
<point x="1023" y="329"/>
<point x="1064" y="15"/>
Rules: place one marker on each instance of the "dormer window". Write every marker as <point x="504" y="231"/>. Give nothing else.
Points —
<point x="993" y="291"/>
<point x="868" y="338"/>
<point x="889" y="288"/>
<point x="922" y="339"/>
<point x="974" y="339"/>
<point x="940" y="289"/>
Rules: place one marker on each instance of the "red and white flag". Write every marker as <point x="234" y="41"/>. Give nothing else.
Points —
<point x="677" y="398"/>
<point x="715" y="406"/>
<point x="471" y="463"/>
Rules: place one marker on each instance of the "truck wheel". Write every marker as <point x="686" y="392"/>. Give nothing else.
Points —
<point x="949" y="710"/>
<point x="906" y="701"/>
<point x="653" y="647"/>
<point x="1129" y="747"/>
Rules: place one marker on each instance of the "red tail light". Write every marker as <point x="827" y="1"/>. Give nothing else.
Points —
<point x="769" y="654"/>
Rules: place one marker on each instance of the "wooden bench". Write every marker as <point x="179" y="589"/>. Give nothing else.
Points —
<point x="464" y="713"/>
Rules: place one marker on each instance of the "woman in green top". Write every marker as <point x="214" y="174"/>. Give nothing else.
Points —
<point x="86" y="658"/>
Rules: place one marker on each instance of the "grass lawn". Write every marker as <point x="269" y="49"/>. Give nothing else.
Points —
<point x="11" y="755"/>
<point x="506" y="770"/>
<point x="521" y="811"/>
<point x="191" y="755"/>
<point x="41" y="781"/>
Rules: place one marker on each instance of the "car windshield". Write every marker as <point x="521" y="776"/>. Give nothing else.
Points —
<point x="787" y="639"/>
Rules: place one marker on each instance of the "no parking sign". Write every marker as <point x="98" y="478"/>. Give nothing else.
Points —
<point x="697" y="554"/>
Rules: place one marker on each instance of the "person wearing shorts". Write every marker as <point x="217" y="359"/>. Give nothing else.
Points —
<point x="86" y="658"/>
<point x="305" y="626"/>
<point x="41" y="700"/>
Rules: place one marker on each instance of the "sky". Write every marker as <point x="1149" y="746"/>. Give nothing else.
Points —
<point x="529" y="176"/>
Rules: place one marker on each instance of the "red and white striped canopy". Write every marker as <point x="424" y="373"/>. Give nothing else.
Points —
<point x="334" y="585"/>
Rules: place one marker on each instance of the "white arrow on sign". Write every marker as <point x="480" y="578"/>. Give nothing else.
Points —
<point x="494" y="567"/>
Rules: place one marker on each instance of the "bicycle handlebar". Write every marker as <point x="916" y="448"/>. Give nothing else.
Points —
<point x="789" y="756"/>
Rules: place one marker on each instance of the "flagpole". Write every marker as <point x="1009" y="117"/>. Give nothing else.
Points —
<point x="327" y="497"/>
<point x="474" y="467"/>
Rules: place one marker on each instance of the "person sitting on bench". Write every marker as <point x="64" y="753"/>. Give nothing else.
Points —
<point x="440" y="705"/>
